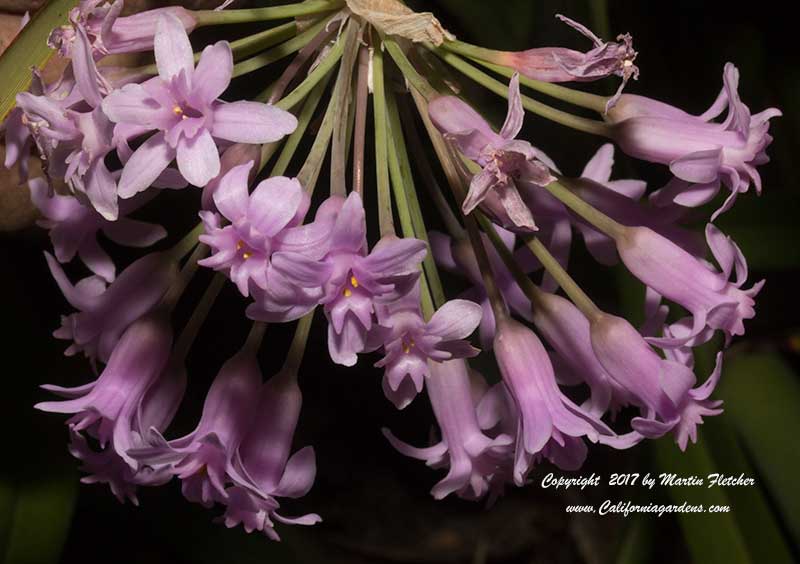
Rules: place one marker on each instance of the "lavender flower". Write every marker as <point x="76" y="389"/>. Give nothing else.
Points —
<point x="182" y="105"/>
<point x="105" y="408"/>
<point x="699" y="152"/>
<point x="262" y="468"/>
<point x="156" y="410"/>
<point x="506" y="161"/>
<point x="74" y="227"/>
<point x="409" y="342"/>
<point x="203" y="458"/>
<point x="710" y="297"/>
<point x="560" y="64"/>
<point x="259" y="223"/>
<point x="472" y="458"/>
<point x="662" y="387"/>
<point x="547" y="418"/>
<point x="108" y="32"/>
<point x="352" y="282"/>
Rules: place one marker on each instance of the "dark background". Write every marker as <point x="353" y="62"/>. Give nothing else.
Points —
<point x="375" y="502"/>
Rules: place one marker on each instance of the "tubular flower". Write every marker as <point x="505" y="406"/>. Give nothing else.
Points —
<point x="547" y="418"/>
<point x="262" y="468"/>
<point x="713" y="300"/>
<point x="105" y="408"/>
<point x="156" y="410"/>
<point x="663" y="388"/>
<point x="108" y="32"/>
<point x="74" y="227"/>
<point x="700" y="153"/>
<point x="505" y="160"/>
<point x="472" y="458"/>
<point x="202" y="459"/>
<point x="105" y="312"/>
<point x="182" y="105"/>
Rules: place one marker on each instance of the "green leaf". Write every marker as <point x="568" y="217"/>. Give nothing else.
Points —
<point x="637" y="544"/>
<point x="712" y="538"/>
<point x="761" y="394"/>
<point x="756" y="520"/>
<point x="29" y="50"/>
<point x="37" y="517"/>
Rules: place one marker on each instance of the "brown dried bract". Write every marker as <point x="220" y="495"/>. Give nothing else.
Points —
<point x="394" y="18"/>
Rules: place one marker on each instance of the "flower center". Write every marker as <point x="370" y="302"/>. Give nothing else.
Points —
<point x="348" y="290"/>
<point x="245" y="253"/>
<point x="408" y="344"/>
<point x="184" y="111"/>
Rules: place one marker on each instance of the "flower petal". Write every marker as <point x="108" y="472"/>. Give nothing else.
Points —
<point x="456" y="319"/>
<point x="172" y="48"/>
<point x="198" y="159"/>
<point x="145" y="165"/>
<point x="213" y="73"/>
<point x="252" y="122"/>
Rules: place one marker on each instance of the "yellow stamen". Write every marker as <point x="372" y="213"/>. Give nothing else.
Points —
<point x="246" y="255"/>
<point x="354" y="282"/>
<point x="177" y="110"/>
<point x="347" y="292"/>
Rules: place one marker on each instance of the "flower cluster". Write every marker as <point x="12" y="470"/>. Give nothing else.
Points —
<point x="112" y="138"/>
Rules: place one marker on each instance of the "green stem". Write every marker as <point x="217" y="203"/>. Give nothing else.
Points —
<point x="242" y="47"/>
<point x="385" y="219"/>
<point x="578" y="123"/>
<point x="189" y="242"/>
<point x="225" y="17"/>
<point x="530" y="289"/>
<point x="594" y="216"/>
<point x="303" y="119"/>
<point x="309" y="173"/>
<point x="429" y="178"/>
<point x="256" y="335"/>
<point x="342" y="108"/>
<point x="416" y="80"/>
<point x="298" y="347"/>
<point x="575" y="293"/>
<point x="400" y="189"/>
<point x="408" y="199"/>
<point x="173" y="294"/>
<point x="267" y="150"/>
<point x="277" y="53"/>
<point x="302" y="89"/>
<point x="192" y="328"/>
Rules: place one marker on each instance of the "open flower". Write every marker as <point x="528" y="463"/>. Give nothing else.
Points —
<point x="202" y="458"/>
<point x="713" y="300"/>
<point x="262" y="469"/>
<point x="181" y="105"/>
<point x="472" y="458"/>
<point x="700" y="153"/>
<point x="409" y="342"/>
<point x="73" y="230"/>
<point x="506" y="161"/>
<point x="258" y="224"/>
<point x="105" y="407"/>
<point x="105" y="312"/>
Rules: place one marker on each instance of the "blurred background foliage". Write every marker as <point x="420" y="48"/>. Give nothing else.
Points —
<point x="374" y="501"/>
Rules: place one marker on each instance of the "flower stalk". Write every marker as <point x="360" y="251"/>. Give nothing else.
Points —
<point x="227" y="17"/>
